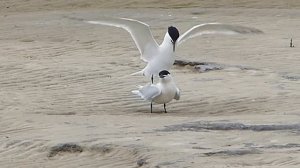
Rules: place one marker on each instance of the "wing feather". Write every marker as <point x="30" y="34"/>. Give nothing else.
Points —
<point x="148" y="92"/>
<point x="139" y="31"/>
<point x="177" y="95"/>
<point x="216" y="28"/>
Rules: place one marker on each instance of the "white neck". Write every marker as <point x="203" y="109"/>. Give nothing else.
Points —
<point x="166" y="79"/>
<point x="167" y="43"/>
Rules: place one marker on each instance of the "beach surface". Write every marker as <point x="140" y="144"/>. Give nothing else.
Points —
<point x="66" y="96"/>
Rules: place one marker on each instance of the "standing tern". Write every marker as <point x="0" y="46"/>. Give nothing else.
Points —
<point x="162" y="92"/>
<point x="162" y="57"/>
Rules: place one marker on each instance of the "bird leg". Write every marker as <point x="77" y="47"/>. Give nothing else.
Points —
<point x="291" y="43"/>
<point x="151" y="107"/>
<point x="152" y="79"/>
<point x="165" y="107"/>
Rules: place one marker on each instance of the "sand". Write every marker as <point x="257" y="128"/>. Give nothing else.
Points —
<point x="65" y="87"/>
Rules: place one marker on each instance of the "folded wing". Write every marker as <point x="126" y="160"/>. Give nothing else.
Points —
<point x="216" y="28"/>
<point x="139" y="31"/>
<point x="148" y="92"/>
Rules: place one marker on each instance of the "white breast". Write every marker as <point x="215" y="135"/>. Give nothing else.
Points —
<point x="168" y="91"/>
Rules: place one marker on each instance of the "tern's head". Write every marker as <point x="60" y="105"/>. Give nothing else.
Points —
<point x="164" y="73"/>
<point x="174" y="34"/>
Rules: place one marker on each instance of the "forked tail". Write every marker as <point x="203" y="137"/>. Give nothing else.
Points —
<point x="137" y="92"/>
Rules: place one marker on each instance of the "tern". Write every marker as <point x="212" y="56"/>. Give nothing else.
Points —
<point x="162" y="57"/>
<point x="161" y="93"/>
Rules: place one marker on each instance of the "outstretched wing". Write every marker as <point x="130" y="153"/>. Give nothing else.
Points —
<point x="148" y="92"/>
<point x="139" y="31"/>
<point x="177" y="95"/>
<point x="216" y="28"/>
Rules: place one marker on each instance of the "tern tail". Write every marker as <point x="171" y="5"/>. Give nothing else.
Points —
<point x="137" y="92"/>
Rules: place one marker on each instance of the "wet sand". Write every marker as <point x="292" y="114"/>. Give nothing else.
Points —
<point x="66" y="100"/>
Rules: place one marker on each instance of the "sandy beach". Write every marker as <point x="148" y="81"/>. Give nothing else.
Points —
<point x="66" y="96"/>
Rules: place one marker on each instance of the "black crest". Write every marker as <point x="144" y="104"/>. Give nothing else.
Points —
<point x="174" y="33"/>
<point x="163" y="73"/>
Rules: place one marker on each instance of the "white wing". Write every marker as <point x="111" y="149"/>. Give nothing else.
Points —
<point x="140" y="32"/>
<point x="216" y="28"/>
<point x="148" y="92"/>
<point x="177" y="95"/>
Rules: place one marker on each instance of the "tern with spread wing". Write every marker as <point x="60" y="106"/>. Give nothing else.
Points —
<point x="162" y="57"/>
<point x="163" y="92"/>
